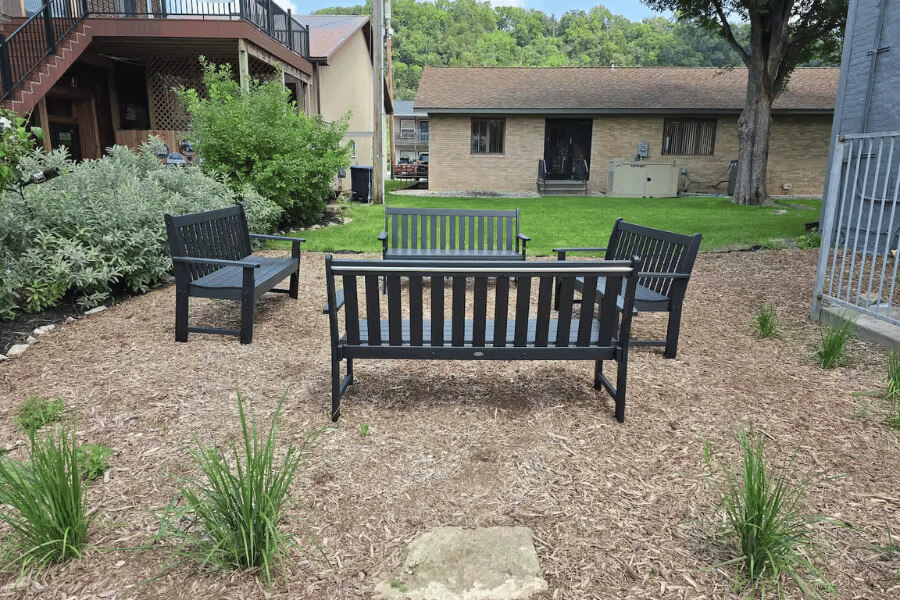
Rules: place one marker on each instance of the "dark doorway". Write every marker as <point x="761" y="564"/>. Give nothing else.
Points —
<point x="66" y="135"/>
<point x="567" y="142"/>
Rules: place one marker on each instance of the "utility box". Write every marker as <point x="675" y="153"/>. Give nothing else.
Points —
<point x="642" y="179"/>
<point x="361" y="183"/>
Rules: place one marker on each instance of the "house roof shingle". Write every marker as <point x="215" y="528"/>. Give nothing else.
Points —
<point x="328" y="32"/>
<point x="612" y="89"/>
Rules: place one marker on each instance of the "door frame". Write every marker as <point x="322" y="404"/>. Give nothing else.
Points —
<point x="577" y="127"/>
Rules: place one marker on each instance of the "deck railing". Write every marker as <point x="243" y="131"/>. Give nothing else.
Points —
<point x="39" y="35"/>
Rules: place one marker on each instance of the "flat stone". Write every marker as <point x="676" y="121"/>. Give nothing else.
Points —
<point x="70" y="320"/>
<point x="3" y="358"/>
<point x="17" y="350"/>
<point x="31" y="340"/>
<point x="96" y="310"/>
<point x="44" y="330"/>
<point x="452" y="563"/>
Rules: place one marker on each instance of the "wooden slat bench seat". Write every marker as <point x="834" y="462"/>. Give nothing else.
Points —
<point x="213" y="258"/>
<point x="501" y="325"/>
<point x="444" y="233"/>
<point x="667" y="260"/>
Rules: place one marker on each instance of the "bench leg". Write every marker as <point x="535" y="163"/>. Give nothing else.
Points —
<point x="294" y="288"/>
<point x="598" y="373"/>
<point x="248" y="306"/>
<point x="181" y="315"/>
<point x="672" y="331"/>
<point x="621" y="382"/>
<point x="335" y="390"/>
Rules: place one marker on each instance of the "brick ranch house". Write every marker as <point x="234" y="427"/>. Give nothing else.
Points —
<point x="94" y="73"/>
<point x="490" y="127"/>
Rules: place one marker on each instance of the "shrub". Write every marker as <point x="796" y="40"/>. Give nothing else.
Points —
<point x="47" y="506"/>
<point x="99" y="227"/>
<point x="258" y="137"/>
<point x="766" y="520"/>
<point x="830" y="352"/>
<point x="37" y="412"/>
<point x="766" y="320"/>
<point x="233" y="514"/>
<point x="16" y="140"/>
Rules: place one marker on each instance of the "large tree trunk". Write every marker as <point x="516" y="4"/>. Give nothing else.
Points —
<point x="753" y="136"/>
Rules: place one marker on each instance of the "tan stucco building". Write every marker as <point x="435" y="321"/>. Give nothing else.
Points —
<point x="491" y="127"/>
<point x="340" y="49"/>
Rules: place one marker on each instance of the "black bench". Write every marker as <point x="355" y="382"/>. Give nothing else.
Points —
<point x="213" y="259"/>
<point x="512" y="334"/>
<point x="444" y="233"/>
<point x="666" y="262"/>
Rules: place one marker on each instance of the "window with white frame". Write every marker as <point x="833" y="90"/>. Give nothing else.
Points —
<point x="407" y="129"/>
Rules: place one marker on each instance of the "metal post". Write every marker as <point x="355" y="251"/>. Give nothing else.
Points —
<point x="5" y="68"/>
<point x="290" y="36"/>
<point x="826" y="223"/>
<point x="378" y="83"/>
<point x="48" y="29"/>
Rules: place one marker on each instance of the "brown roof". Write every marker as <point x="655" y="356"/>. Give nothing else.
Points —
<point x="327" y="33"/>
<point x="611" y="89"/>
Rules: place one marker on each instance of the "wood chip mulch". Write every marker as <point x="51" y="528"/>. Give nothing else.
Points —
<point x="618" y="510"/>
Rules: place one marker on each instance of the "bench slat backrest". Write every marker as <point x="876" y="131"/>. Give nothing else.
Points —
<point x="660" y="251"/>
<point x="220" y="233"/>
<point x="531" y="330"/>
<point x="451" y="229"/>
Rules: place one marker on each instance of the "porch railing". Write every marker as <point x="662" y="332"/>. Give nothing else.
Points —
<point x="38" y="36"/>
<point x="860" y="228"/>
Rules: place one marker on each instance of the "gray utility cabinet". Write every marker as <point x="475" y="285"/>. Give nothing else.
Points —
<point x="642" y="179"/>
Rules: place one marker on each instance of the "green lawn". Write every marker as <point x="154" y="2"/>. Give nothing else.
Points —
<point x="587" y="221"/>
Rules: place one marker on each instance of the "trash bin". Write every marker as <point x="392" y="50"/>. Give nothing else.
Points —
<point x="732" y="177"/>
<point x="361" y="183"/>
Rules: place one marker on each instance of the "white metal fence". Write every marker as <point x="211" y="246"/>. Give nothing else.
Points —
<point x="860" y="227"/>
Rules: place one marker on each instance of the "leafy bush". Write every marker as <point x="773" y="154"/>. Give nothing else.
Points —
<point x="892" y="393"/>
<point x="771" y="531"/>
<point x="46" y="503"/>
<point x="766" y="321"/>
<point x="16" y="140"/>
<point x="37" y="412"/>
<point x="830" y="352"/>
<point x="233" y="515"/>
<point x="99" y="227"/>
<point x="258" y="137"/>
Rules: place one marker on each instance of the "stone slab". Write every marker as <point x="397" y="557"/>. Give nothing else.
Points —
<point x="453" y="563"/>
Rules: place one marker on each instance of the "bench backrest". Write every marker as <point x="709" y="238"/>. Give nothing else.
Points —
<point x="660" y="251"/>
<point x="360" y="289"/>
<point x="220" y="233"/>
<point x="447" y="228"/>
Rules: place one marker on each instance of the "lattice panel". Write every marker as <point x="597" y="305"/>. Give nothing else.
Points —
<point x="166" y="73"/>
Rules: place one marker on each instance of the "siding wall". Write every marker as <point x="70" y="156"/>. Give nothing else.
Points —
<point x="798" y="152"/>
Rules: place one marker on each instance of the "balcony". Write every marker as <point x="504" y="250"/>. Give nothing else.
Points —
<point x="420" y="138"/>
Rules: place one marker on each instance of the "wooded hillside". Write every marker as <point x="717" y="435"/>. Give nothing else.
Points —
<point x="467" y="32"/>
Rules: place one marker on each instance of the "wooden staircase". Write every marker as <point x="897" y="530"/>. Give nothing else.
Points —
<point x="49" y="70"/>
<point x="562" y="187"/>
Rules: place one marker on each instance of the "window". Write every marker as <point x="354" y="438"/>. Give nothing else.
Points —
<point x="352" y="146"/>
<point x="407" y="128"/>
<point x="689" y="136"/>
<point x="487" y="136"/>
<point x="423" y="132"/>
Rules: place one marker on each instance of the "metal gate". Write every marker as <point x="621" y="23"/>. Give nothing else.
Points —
<point x="860" y="226"/>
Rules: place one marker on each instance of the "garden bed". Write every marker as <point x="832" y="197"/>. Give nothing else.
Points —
<point x="618" y="510"/>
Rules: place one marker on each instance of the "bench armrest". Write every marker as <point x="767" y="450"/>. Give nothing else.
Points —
<point x="523" y="237"/>
<point x="215" y="261"/>
<point x="382" y="236"/>
<point x="563" y="251"/>
<point x="338" y="300"/>
<point x="280" y="238"/>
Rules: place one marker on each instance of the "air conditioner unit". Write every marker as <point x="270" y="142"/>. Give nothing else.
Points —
<point x="642" y="179"/>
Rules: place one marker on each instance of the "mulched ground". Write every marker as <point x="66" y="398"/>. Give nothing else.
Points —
<point x="618" y="510"/>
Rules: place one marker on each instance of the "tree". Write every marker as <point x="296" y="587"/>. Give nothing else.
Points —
<point x="783" y="34"/>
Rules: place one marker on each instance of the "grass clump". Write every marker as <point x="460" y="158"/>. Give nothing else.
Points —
<point x="766" y="520"/>
<point x="37" y="412"/>
<point x="765" y="321"/>
<point x="831" y="350"/>
<point x="231" y="516"/>
<point x="93" y="460"/>
<point x="45" y="496"/>
<point x="892" y="393"/>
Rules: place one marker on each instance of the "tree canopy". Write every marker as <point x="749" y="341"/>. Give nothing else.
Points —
<point x="471" y="33"/>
